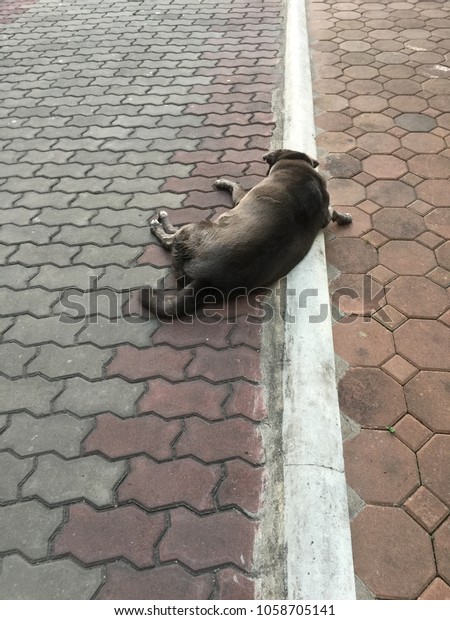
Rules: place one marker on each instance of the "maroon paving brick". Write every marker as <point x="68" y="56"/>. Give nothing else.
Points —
<point x="412" y="432"/>
<point x="93" y="536"/>
<point x="148" y="434"/>
<point x="407" y="257"/>
<point x="162" y="361"/>
<point x="154" y="255"/>
<point x="242" y="487"/>
<point x="371" y="398"/>
<point x="195" y="397"/>
<point x="439" y="222"/>
<point x="391" y="193"/>
<point x="391" y="570"/>
<point x="247" y="332"/>
<point x="356" y="294"/>
<point x="199" y="330"/>
<point x="434" y="191"/>
<point x="380" y="468"/>
<point x="162" y="583"/>
<point x="363" y="343"/>
<point x="434" y="465"/>
<point x="234" y="586"/>
<point x="235" y="363"/>
<point x="209" y="541"/>
<point x="399" y="369"/>
<point x="426" y="509"/>
<point x="216" y="441"/>
<point x="247" y="400"/>
<point x="398" y="223"/>
<point x="442" y="549"/>
<point x="424" y="343"/>
<point x="184" y="481"/>
<point x="427" y="399"/>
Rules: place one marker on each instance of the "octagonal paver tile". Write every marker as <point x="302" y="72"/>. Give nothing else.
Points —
<point x="417" y="297"/>
<point x="439" y="222"/>
<point x="335" y="142"/>
<point x="342" y="165"/>
<point x="435" y="191"/>
<point x="380" y="468"/>
<point x="407" y="257"/>
<point x="371" y="398"/>
<point x="369" y="103"/>
<point x="363" y="343"/>
<point x="428" y="396"/>
<point x="434" y="465"/>
<point x="351" y="255"/>
<point x="415" y="122"/>
<point x="356" y="294"/>
<point x="402" y="86"/>
<point x="425" y="343"/>
<point x="423" y="142"/>
<point x="430" y="166"/>
<point x="398" y="223"/>
<point x="391" y="193"/>
<point x="385" y="166"/>
<point x="442" y="550"/>
<point x="373" y="121"/>
<point x="378" y="142"/>
<point x="392" y="554"/>
<point x="443" y="255"/>
<point x="333" y="121"/>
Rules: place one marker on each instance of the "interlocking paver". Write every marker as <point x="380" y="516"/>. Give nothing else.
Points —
<point x="14" y="470"/>
<point x="30" y="330"/>
<point x="84" y="398"/>
<point x="34" y="524"/>
<point x="163" y="583"/>
<point x="62" y="278"/>
<point x="163" y="361"/>
<point x="54" y="361"/>
<point x="56" y="480"/>
<point x="106" y="332"/>
<point x="13" y="358"/>
<point x="36" y="302"/>
<point x="127" y="532"/>
<point x="28" y="435"/>
<point x="56" y="254"/>
<point x="56" y="580"/>
<point x="34" y="394"/>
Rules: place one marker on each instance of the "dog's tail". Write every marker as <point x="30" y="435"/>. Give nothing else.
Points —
<point x="184" y="303"/>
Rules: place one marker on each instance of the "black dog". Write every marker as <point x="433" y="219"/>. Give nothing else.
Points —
<point x="269" y="231"/>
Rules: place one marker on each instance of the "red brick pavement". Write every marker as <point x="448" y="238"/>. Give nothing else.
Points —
<point x="382" y="101"/>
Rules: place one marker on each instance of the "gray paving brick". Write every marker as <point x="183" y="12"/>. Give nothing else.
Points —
<point x="111" y="200"/>
<point x="124" y="279"/>
<point x="119" y="254"/>
<point x="56" y="217"/>
<point x="132" y="235"/>
<point x="74" y="235"/>
<point x="106" y="332"/>
<point x="18" y="215"/>
<point x="150" y="157"/>
<point x="23" y="170"/>
<point x="89" y="121"/>
<point x="33" y="526"/>
<point x="36" y="184"/>
<point x="33" y="200"/>
<point x="132" y="217"/>
<point x="70" y="185"/>
<point x="166" y="200"/>
<point x="90" y="477"/>
<point x="54" y="362"/>
<point x="36" y="233"/>
<point x="33" y="394"/>
<point x="36" y="302"/>
<point x="54" y="156"/>
<point x="13" y="471"/>
<point x="61" y="132"/>
<point x="61" y="433"/>
<point x="170" y="170"/>
<point x="29" y="330"/>
<point x="126" y="145"/>
<point x="8" y="199"/>
<point x="16" y="276"/>
<point x="101" y="133"/>
<point x="5" y="251"/>
<point x="81" y="144"/>
<point x="130" y="186"/>
<point x="95" y="157"/>
<point x="182" y="144"/>
<point x="77" y="171"/>
<point x="38" y="144"/>
<point x="56" y="253"/>
<point x="65" y="278"/>
<point x="84" y="398"/>
<point x="105" y="302"/>
<point x="5" y="324"/>
<point x="110" y="172"/>
<point x="55" y="580"/>
<point x="13" y="358"/>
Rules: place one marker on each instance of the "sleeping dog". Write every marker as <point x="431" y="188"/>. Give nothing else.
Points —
<point x="269" y="230"/>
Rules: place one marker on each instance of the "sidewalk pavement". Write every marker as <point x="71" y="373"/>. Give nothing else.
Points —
<point x="131" y="453"/>
<point x="383" y="131"/>
<point x="132" y="457"/>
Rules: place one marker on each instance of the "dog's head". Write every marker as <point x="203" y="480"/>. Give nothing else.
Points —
<point x="274" y="156"/>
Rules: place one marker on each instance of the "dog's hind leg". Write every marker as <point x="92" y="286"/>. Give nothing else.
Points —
<point x="236" y="190"/>
<point x="340" y="218"/>
<point x="168" y="227"/>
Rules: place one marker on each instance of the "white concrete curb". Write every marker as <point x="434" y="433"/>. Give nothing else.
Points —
<point x="317" y="531"/>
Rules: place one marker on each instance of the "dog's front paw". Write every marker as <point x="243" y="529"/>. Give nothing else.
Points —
<point x="346" y="219"/>
<point x="162" y="213"/>
<point x="222" y="184"/>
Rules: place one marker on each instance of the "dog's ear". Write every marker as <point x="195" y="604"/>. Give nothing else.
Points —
<point x="271" y="158"/>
